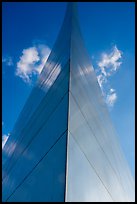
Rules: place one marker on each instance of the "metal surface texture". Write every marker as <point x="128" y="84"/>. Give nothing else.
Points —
<point x="63" y="146"/>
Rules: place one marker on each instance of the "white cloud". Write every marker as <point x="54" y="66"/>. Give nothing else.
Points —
<point x="110" y="62"/>
<point x="32" y="61"/>
<point x="4" y="139"/>
<point x="108" y="65"/>
<point x="111" y="97"/>
<point x="25" y="66"/>
<point x="7" y="60"/>
<point x="101" y="79"/>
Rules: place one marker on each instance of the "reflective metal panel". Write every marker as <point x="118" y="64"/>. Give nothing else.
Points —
<point x="41" y="123"/>
<point x="83" y="184"/>
<point x="94" y="155"/>
<point x="91" y="128"/>
<point x="40" y="145"/>
<point x="47" y="180"/>
<point x="40" y="117"/>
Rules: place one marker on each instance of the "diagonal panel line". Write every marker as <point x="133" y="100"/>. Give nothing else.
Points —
<point x="119" y="180"/>
<point x="36" y="133"/>
<point x="37" y="164"/>
<point x="33" y="115"/>
<point x="92" y="167"/>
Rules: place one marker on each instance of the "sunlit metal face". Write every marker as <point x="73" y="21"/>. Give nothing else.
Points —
<point x="63" y="146"/>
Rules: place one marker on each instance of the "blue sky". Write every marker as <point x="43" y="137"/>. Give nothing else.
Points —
<point x="108" y="31"/>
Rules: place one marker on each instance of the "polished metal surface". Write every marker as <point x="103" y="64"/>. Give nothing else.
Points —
<point x="63" y="146"/>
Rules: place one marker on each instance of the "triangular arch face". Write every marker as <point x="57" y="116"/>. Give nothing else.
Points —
<point x="63" y="146"/>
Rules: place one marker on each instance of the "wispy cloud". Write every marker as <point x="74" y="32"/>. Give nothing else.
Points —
<point x="25" y="66"/>
<point x="111" y="97"/>
<point x="7" y="60"/>
<point x="4" y="139"/>
<point x="101" y="80"/>
<point x="32" y="61"/>
<point x="107" y="66"/>
<point x="109" y="62"/>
